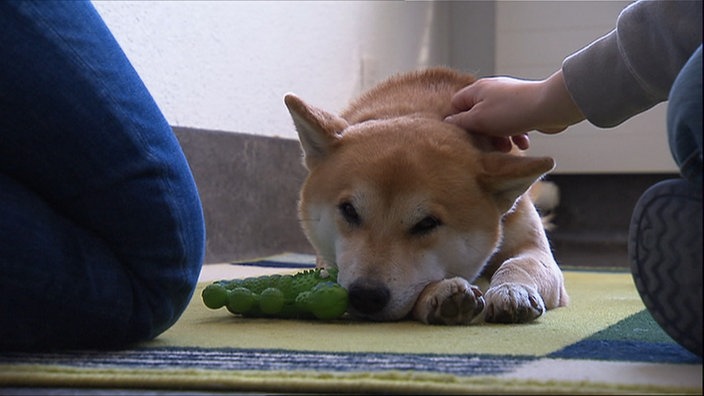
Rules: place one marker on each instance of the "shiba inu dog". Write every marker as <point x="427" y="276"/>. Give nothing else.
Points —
<point x="413" y="210"/>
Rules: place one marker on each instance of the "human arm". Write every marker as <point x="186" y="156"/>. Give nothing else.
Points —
<point x="632" y="68"/>
<point x="619" y="75"/>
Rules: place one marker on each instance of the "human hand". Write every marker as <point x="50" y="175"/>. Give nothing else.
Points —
<point x="506" y="109"/>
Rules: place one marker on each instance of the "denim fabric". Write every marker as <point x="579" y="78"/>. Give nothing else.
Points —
<point x="101" y="228"/>
<point x="684" y="119"/>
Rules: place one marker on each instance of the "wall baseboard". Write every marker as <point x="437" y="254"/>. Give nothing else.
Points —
<point x="249" y="188"/>
<point x="592" y="219"/>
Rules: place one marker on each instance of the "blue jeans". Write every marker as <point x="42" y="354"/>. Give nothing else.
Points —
<point x="684" y="119"/>
<point x="666" y="227"/>
<point x="101" y="227"/>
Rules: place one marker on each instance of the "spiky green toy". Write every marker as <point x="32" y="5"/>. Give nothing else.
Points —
<point x="311" y="293"/>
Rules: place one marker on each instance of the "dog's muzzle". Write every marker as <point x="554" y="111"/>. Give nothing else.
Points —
<point x="368" y="297"/>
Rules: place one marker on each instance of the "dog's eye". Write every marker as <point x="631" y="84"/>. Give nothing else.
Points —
<point x="349" y="213"/>
<point x="426" y="225"/>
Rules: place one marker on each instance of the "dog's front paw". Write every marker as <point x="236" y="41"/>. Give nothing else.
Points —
<point x="513" y="303"/>
<point x="450" y="302"/>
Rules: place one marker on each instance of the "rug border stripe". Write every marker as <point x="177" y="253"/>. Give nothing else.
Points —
<point x="318" y="382"/>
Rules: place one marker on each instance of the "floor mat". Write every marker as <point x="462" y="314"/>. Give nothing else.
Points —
<point x="604" y="342"/>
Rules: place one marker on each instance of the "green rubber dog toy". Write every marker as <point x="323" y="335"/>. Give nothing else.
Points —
<point x="308" y="294"/>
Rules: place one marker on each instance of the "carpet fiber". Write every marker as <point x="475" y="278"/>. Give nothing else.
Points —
<point x="604" y="342"/>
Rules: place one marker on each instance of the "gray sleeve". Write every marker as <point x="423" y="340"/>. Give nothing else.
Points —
<point x="632" y="68"/>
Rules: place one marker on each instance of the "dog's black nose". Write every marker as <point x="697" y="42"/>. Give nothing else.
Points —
<point x="368" y="297"/>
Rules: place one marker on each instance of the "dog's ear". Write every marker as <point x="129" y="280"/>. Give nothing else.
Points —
<point x="506" y="176"/>
<point x="317" y="129"/>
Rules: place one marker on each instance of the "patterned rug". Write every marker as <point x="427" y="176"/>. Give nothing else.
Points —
<point x="604" y="342"/>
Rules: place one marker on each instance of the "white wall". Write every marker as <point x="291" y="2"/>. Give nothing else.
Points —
<point x="226" y="65"/>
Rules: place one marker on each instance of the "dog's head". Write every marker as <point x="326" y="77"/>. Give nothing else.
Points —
<point x="398" y="203"/>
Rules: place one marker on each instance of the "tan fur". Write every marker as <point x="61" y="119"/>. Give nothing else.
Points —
<point x="412" y="210"/>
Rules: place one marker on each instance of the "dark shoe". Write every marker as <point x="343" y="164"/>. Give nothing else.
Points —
<point x="665" y="251"/>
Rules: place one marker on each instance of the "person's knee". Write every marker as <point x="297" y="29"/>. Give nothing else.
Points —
<point x="62" y="286"/>
<point x="166" y="281"/>
<point x="684" y="119"/>
<point x="164" y="298"/>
